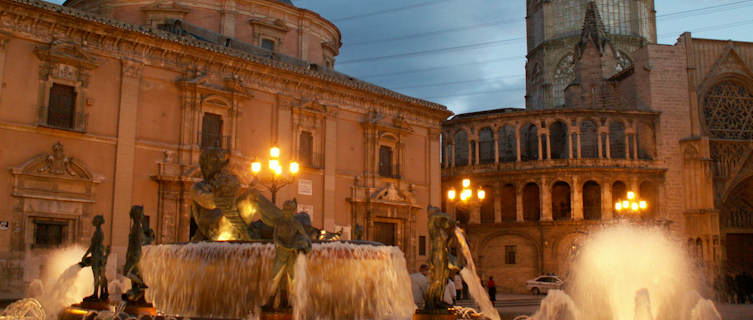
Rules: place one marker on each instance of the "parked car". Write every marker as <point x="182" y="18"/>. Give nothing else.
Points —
<point x="543" y="283"/>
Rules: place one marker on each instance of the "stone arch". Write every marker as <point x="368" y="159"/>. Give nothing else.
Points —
<point x="487" y="205"/>
<point x="508" y="144"/>
<point x="529" y="142"/>
<point x="486" y="145"/>
<point x="564" y="74"/>
<point x="561" y="206"/>
<point x="531" y="202"/>
<point x="509" y="277"/>
<point x="617" y="139"/>
<point x="649" y="192"/>
<point x="591" y="200"/>
<point x="646" y="141"/>
<point x="509" y="203"/>
<point x="461" y="148"/>
<point x="558" y="135"/>
<point x="727" y="108"/>
<point x="736" y="225"/>
<point x="619" y="192"/>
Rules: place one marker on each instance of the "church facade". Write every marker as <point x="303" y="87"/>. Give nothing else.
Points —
<point x="673" y="126"/>
<point x="108" y="104"/>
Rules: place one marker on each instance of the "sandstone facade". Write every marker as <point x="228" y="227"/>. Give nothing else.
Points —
<point x="106" y="104"/>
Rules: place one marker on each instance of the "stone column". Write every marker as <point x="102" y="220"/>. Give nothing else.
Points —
<point x="599" y="147"/>
<point x="577" y="143"/>
<point x="435" y="169"/>
<point x="496" y="146"/>
<point x="607" y="142"/>
<point x="517" y="143"/>
<point x="607" y="204"/>
<point x="452" y="155"/>
<point x="476" y="160"/>
<point x="227" y="19"/>
<point x="576" y="199"/>
<point x="122" y="193"/>
<point x="540" y="148"/>
<point x="548" y="146"/>
<point x="519" y="202"/>
<point x="330" y="164"/>
<point x="546" y="200"/>
<point x="635" y="146"/>
<point x="497" y="203"/>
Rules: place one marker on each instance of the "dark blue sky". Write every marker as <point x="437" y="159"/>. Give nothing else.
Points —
<point x="470" y="54"/>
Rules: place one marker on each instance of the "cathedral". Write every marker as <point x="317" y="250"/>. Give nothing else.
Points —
<point x="616" y="126"/>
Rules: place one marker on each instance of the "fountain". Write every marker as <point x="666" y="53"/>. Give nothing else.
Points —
<point x="629" y="272"/>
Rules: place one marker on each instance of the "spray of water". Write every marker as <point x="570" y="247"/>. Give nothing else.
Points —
<point x="232" y="280"/>
<point x="627" y="272"/>
<point x="471" y="278"/>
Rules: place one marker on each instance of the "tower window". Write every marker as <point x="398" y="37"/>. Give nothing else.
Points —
<point x="268" y="44"/>
<point x="62" y="106"/>
<point x="385" y="161"/>
<point x="211" y="131"/>
<point x="306" y="149"/>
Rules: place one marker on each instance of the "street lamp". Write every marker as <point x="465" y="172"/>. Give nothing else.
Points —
<point x="466" y="192"/>
<point x="631" y="204"/>
<point x="273" y="178"/>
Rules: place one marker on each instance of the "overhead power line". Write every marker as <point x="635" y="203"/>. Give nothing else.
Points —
<point x="443" y="67"/>
<point x="433" y="51"/>
<point x="440" y="84"/>
<point x="434" y="33"/>
<point x="385" y="11"/>
<point x="475" y="93"/>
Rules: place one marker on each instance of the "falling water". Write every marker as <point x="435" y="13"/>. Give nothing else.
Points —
<point x="627" y="272"/>
<point x="232" y="280"/>
<point x="471" y="278"/>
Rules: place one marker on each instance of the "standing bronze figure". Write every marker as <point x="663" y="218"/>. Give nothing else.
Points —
<point x="96" y="258"/>
<point x="290" y="238"/>
<point x="140" y="235"/>
<point x="441" y="227"/>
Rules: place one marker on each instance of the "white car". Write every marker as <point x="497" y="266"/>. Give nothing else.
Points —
<point x="543" y="284"/>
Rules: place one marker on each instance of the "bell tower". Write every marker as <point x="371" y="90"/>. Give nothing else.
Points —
<point x="554" y="27"/>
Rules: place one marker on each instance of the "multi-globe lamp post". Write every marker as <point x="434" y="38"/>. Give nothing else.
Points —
<point x="466" y="193"/>
<point x="274" y="177"/>
<point x="631" y="205"/>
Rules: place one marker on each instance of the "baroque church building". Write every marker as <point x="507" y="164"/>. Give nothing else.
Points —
<point x="108" y="104"/>
<point x="609" y="112"/>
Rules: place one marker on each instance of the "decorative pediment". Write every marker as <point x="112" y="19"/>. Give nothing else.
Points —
<point x="390" y="193"/>
<point x="274" y="24"/>
<point x="60" y="52"/>
<point x="56" y="164"/>
<point x="213" y="83"/>
<point x="313" y="108"/>
<point x="168" y="6"/>
<point x="400" y="122"/>
<point x="729" y="63"/>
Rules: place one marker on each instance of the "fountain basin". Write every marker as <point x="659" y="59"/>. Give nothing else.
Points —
<point x="232" y="280"/>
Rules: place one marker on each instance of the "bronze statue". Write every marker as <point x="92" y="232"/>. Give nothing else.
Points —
<point x="140" y="235"/>
<point x="291" y="238"/>
<point x="96" y="258"/>
<point x="441" y="227"/>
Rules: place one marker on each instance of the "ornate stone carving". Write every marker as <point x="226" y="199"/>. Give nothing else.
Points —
<point x="728" y="111"/>
<point x="132" y="69"/>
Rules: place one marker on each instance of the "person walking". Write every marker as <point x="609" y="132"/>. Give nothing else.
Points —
<point x="492" y="287"/>
<point x="420" y="284"/>
<point x="458" y="286"/>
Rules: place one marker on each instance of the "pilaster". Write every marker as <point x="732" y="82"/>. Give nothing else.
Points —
<point x="519" y="203"/>
<point x="497" y="203"/>
<point x="330" y="164"/>
<point x="4" y="40"/>
<point x="130" y="81"/>
<point x="576" y="199"/>
<point x="546" y="200"/>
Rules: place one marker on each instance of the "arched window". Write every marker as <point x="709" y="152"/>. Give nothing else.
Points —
<point x="649" y="193"/>
<point x="564" y="74"/>
<point x="487" y="206"/>
<point x="560" y="145"/>
<point x="617" y="140"/>
<point x="591" y="201"/>
<point x="728" y="110"/>
<point x="461" y="148"/>
<point x="589" y="140"/>
<point x="508" y="144"/>
<point x="531" y="202"/>
<point x="509" y="207"/>
<point x="529" y="142"/>
<point x="561" y="201"/>
<point x="486" y="145"/>
<point x="646" y="141"/>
